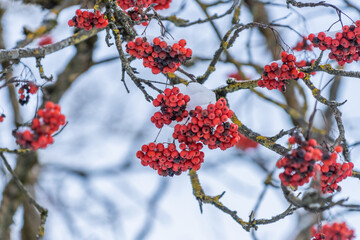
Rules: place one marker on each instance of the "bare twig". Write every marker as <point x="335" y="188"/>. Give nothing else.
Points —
<point x="43" y="211"/>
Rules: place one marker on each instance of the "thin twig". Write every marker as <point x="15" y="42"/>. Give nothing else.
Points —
<point x="43" y="211"/>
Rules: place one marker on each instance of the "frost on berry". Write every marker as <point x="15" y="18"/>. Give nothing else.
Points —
<point x="42" y="127"/>
<point x="87" y="20"/>
<point x="344" y="46"/>
<point x="25" y="90"/>
<point x="159" y="55"/>
<point x="276" y="76"/>
<point x="172" y="107"/>
<point x="335" y="231"/>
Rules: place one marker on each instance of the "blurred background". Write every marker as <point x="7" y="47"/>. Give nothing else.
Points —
<point x="90" y="179"/>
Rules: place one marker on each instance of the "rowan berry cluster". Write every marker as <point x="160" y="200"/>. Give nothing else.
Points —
<point x="276" y="77"/>
<point x="300" y="162"/>
<point x="158" y="4"/>
<point x="88" y="20"/>
<point x="345" y="47"/>
<point x="172" y="107"/>
<point x="333" y="172"/>
<point x="168" y="161"/>
<point x="209" y="126"/>
<point x="335" y="231"/>
<point x="307" y="159"/>
<point x="303" y="45"/>
<point x="158" y="54"/>
<point x="126" y="4"/>
<point x="2" y="116"/>
<point x="246" y="143"/>
<point x="42" y="127"/>
<point x="25" y="90"/>
<point x="136" y="15"/>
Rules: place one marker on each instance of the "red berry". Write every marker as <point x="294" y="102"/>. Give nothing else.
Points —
<point x="182" y="42"/>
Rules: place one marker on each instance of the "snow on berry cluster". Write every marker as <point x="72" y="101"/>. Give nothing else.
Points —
<point x="209" y="126"/>
<point x="195" y="128"/>
<point x="25" y="90"/>
<point x="308" y="158"/>
<point x="276" y="77"/>
<point x="344" y="47"/>
<point x="42" y="127"/>
<point x="335" y="231"/>
<point x="158" y="4"/>
<point x="172" y="107"/>
<point x="87" y="20"/>
<point x="303" y="45"/>
<point x="158" y="54"/>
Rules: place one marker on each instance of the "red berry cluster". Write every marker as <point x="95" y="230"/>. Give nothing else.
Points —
<point x="88" y="20"/>
<point x="40" y="135"/>
<point x="46" y="40"/>
<point x="246" y="143"/>
<point x="158" y="55"/>
<point x="335" y="231"/>
<point x="172" y="107"/>
<point x="2" y="116"/>
<point x="209" y="126"/>
<point x="168" y="161"/>
<point x="126" y="4"/>
<point x="158" y="4"/>
<point x="303" y="45"/>
<point x="276" y="77"/>
<point x="161" y="4"/>
<point x="333" y="172"/>
<point x="136" y="15"/>
<point x="301" y="164"/>
<point x="345" y="47"/>
<point x="25" y="90"/>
